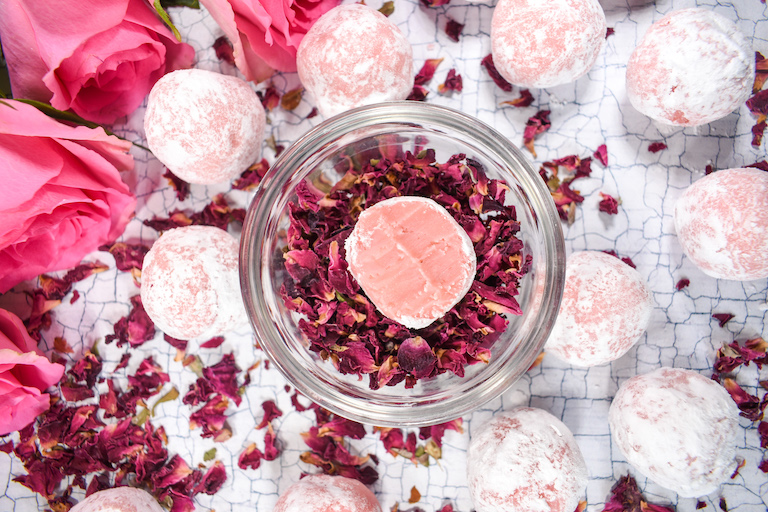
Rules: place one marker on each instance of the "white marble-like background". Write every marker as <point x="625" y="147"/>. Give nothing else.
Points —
<point x="590" y="112"/>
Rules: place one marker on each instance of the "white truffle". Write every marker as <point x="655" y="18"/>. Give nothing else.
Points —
<point x="325" y="493"/>
<point x="606" y="308"/>
<point x="190" y="283"/>
<point x="119" y="499"/>
<point x="678" y="428"/>
<point x="204" y="126"/>
<point x="525" y="460"/>
<point x="353" y="56"/>
<point x="692" y="67"/>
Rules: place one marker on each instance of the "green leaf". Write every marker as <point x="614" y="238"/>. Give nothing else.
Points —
<point x="209" y="455"/>
<point x="192" y="4"/>
<point x="388" y="8"/>
<point x="173" y="394"/>
<point x="166" y="19"/>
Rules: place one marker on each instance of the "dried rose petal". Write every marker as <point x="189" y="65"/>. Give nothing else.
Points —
<point x="427" y="71"/>
<point x="224" y="50"/>
<point x="762" y="430"/>
<point x="626" y="497"/>
<point x="250" y="458"/>
<point x="655" y="147"/>
<point x="214" y="342"/>
<point x="682" y="283"/>
<point x="601" y="154"/>
<point x="453" y="29"/>
<point x="270" y="413"/>
<point x="758" y="103"/>
<point x="525" y="99"/>
<point x="180" y="186"/>
<point x="213" y="480"/>
<point x="127" y="256"/>
<point x="609" y="204"/>
<point x="177" y="344"/>
<point x="609" y="32"/>
<point x="536" y="125"/>
<point x="748" y="404"/>
<point x="708" y="169"/>
<point x="292" y="98"/>
<point x="434" y="3"/>
<point x="222" y="377"/>
<point x="134" y="329"/>
<point x="499" y="80"/>
<point x="312" y="113"/>
<point x="722" y="318"/>
<point x="270" y="98"/>
<point x="418" y="93"/>
<point x="271" y="451"/>
<point x="453" y="82"/>
<point x="252" y="176"/>
<point x="758" y="131"/>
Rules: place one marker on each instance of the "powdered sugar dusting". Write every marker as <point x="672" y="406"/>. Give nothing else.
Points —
<point x="606" y="308"/>
<point x="324" y="493"/>
<point x="204" y="126"/>
<point x="722" y="224"/>
<point x="525" y="460"/>
<point x="543" y="44"/>
<point x="692" y="67"/>
<point x="678" y="428"/>
<point x="190" y="283"/>
<point x="353" y="56"/>
<point x="119" y="499"/>
<point x="412" y="264"/>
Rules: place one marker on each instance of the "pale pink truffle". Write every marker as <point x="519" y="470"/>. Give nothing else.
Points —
<point x="722" y="224"/>
<point x="692" y="67"/>
<point x="353" y="56"/>
<point x="325" y="493"/>
<point x="190" y="284"/>
<point x="525" y="460"/>
<point x="606" y="308"/>
<point x="677" y="428"/>
<point x="543" y="44"/>
<point x="411" y="258"/>
<point x="119" y="499"/>
<point x="204" y="126"/>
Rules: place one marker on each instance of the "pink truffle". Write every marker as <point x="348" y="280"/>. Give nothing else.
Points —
<point x="722" y="224"/>
<point x="678" y="428"/>
<point x="119" y="499"/>
<point x="353" y="56"/>
<point x="692" y="67"/>
<point x="190" y="284"/>
<point x="543" y="44"/>
<point x="412" y="259"/>
<point x="525" y="460"/>
<point x="324" y="493"/>
<point x="606" y="308"/>
<point x="204" y="126"/>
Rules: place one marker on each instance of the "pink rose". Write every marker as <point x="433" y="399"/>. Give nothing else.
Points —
<point x="61" y="196"/>
<point x="266" y="34"/>
<point x="99" y="58"/>
<point x="24" y="374"/>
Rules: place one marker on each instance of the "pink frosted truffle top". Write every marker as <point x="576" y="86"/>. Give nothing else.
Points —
<point x="324" y="493"/>
<point x="525" y="460"/>
<point x="353" y="56"/>
<point x="722" y="224"/>
<point x="411" y="258"/>
<point x="692" y="67"/>
<point x="119" y="499"/>
<point x="190" y="283"/>
<point x="678" y="428"/>
<point x="204" y="126"/>
<point x="606" y="307"/>
<point x="543" y="44"/>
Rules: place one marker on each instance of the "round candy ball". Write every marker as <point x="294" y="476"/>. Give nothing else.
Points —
<point x="722" y="224"/>
<point x="606" y="308"/>
<point x="678" y="428"/>
<point x="190" y="284"/>
<point x="543" y="44"/>
<point x="324" y="493"/>
<point x="692" y="67"/>
<point x="525" y="460"/>
<point x="119" y="499"/>
<point x="353" y="56"/>
<point x="204" y="126"/>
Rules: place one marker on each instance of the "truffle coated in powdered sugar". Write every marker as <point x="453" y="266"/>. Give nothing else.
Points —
<point x="606" y="308"/>
<point x="353" y="56"/>
<point x="190" y="285"/>
<point x="721" y="222"/>
<point x="119" y="499"/>
<point x="525" y="460"/>
<point x="692" y="67"/>
<point x="204" y="126"/>
<point x="543" y="44"/>
<point x="678" y="428"/>
<point x="325" y="493"/>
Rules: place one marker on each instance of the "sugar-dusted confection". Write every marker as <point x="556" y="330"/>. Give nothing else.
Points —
<point x="325" y="493"/>
<point x="204" y="126"/>
<point x="525" y="460"/>
<point x="678" y="428"/>
<point x="353" y="56"/>
<point x="119" y="499"/>
<point x="692" y="67"/>
<point x="190" y="284"/>
<point x="606" y="307"/>
<point x="411" y="258"/>
<point x="543" y="44"/>
<point x="722" y="224"/>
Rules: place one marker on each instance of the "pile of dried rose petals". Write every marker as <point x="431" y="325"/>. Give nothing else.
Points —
<point x="559" y="174"/>
<point x="343" y="326"/>
<point x="626" y="497"/>
<point x="728" y="359"/>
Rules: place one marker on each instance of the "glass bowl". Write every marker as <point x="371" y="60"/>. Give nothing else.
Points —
<point x="313" y="157"/>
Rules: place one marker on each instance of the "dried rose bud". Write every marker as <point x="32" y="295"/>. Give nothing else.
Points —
<point x="416" y="357"/>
